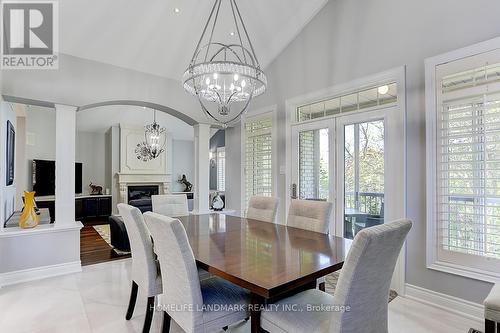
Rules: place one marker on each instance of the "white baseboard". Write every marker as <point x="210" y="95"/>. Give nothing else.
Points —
<point x="461" y="307"/>
<point x="39" y="273"/>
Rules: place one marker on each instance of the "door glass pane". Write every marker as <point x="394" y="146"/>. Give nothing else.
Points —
<point x="313" y="165"/>
<point x="363" y="176"/>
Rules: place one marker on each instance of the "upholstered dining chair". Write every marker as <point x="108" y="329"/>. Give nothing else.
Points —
<point x="192" y="303"/>
<point x="262" y="208"/>
<point x="361" y="296"/>
<point x="145" y="270"/>
<point x="311" y="215"/>
<point x="172" y="205"/>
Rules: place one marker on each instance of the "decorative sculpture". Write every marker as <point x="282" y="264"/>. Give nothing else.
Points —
<point x="95" y="189"/>
<point x="188" y="185"/>
<point x="29" y="218"/>
<point x="217" y="202"/>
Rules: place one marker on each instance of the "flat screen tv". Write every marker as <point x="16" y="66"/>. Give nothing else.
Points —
<point x="44" y="177"/>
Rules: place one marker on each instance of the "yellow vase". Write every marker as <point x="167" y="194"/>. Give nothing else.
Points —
<point x="29" y="218"/>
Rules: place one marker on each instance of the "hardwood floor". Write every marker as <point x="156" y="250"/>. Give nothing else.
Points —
<point x="94" y="249"/>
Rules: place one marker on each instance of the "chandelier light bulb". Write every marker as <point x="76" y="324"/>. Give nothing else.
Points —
<point x="216" y="76"/>
<point x="243" y="83"/>
<point x="236" y="77"/>
<point x="207" y="81"/>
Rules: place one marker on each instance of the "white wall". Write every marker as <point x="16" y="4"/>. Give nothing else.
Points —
<point x="40" y="138"/>
<point x="8" y="192"/>
<point x="350" y="39"/>
<point x="112" y="163"/>
<point x="90" y="150"/>
<point x="234" y="192"/>
<point x="41" y="144"/>
<point x="182" y="163"/>
<point x="20" y="156"/>
<point x="81" y="82"/>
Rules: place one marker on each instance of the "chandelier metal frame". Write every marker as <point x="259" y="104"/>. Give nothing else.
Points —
<point x="212" y="60"/>
<point x="154" y="142"/>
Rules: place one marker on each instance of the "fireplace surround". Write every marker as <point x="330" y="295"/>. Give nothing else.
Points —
<point x="136" y="192"/>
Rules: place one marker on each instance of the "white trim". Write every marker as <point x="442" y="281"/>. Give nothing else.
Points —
<point x="271" y="109"/>
<point x="39" y="273"/>
<point x="432" y="260"/>
<point x="455" y="305"/>
<point x="397" y="75"/>
<point x="40" y="229"/>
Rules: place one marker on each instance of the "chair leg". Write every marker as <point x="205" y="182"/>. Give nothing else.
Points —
<point x="166" y="322"/>
<point x="150" y="308"/>
<point x="131" y="303"/>
<point x="489" y="326"/>
<point x="321" y="286"/>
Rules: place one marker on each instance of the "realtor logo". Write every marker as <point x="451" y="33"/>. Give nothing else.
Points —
<point x="30" y="37"/>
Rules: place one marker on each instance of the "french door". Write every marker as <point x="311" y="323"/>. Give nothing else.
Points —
<point x="347" y="160"/>
<point x="313" y="166"/>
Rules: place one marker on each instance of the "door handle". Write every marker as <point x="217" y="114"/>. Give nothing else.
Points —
<point x="294" y="191"/>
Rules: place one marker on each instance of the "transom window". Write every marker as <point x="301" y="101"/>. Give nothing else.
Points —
<point x="361" y="100"/>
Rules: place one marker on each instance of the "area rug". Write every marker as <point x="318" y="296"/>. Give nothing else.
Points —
<point x="331" y="283"/>
<point x="104" y="231"/>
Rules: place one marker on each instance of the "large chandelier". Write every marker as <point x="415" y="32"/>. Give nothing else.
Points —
<point x="224" y="77"/>
<point x="154" y="143"/>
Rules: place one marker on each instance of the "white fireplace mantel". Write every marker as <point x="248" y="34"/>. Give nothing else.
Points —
<point x="127" y="179"/>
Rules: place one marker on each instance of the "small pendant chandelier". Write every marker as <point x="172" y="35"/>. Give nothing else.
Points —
<point x="224" y="77"/>
<point x="154" y="143"/>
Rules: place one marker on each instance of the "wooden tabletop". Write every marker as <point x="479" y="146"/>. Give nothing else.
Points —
<point x="266" y="258"/>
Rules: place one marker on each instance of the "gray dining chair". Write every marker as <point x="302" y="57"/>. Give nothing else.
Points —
<point x="145" y="270"/>
<point x="313" y="216"/>
<point x="262" y="208"/>
<point x="195" y="305"/>
<point x="310" y="215"/>
<point x="360" y="301"/>
<point x="172" y="205"/>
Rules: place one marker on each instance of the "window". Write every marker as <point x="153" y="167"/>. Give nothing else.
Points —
<point x="258" y="158"/>
<point x="221" y="169"/>
<point x="464" y="170"/>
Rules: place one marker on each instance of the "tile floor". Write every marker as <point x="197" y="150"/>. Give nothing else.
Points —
<point x="96" y="301"/>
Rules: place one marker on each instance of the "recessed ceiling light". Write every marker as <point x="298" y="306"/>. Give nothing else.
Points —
<point x="382" y="90"/>
<point x="177" y="10"/>
<point x="232" y="33"/>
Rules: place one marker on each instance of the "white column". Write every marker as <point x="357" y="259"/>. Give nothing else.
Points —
<point x="201" y="168"/>
<point x="65" y="164"/>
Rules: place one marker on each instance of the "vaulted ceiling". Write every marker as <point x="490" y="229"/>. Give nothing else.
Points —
<point x="149" y="36"/>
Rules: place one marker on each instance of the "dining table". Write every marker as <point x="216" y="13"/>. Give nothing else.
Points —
<point x="270" y="260"/>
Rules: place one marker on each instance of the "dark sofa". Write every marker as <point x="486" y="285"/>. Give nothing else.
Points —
<point x="118" y="232"/>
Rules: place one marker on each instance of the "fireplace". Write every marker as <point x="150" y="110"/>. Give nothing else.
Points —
<point x="136" y="192"/>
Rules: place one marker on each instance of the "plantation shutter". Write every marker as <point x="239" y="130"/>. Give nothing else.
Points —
<point x="221" y="169"/>
<point x="468" y="161"/>
<point x="258" y="157"/>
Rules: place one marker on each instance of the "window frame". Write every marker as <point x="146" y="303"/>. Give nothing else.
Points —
<point x="431" y="101"/>
<point x="253" y="115"/>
